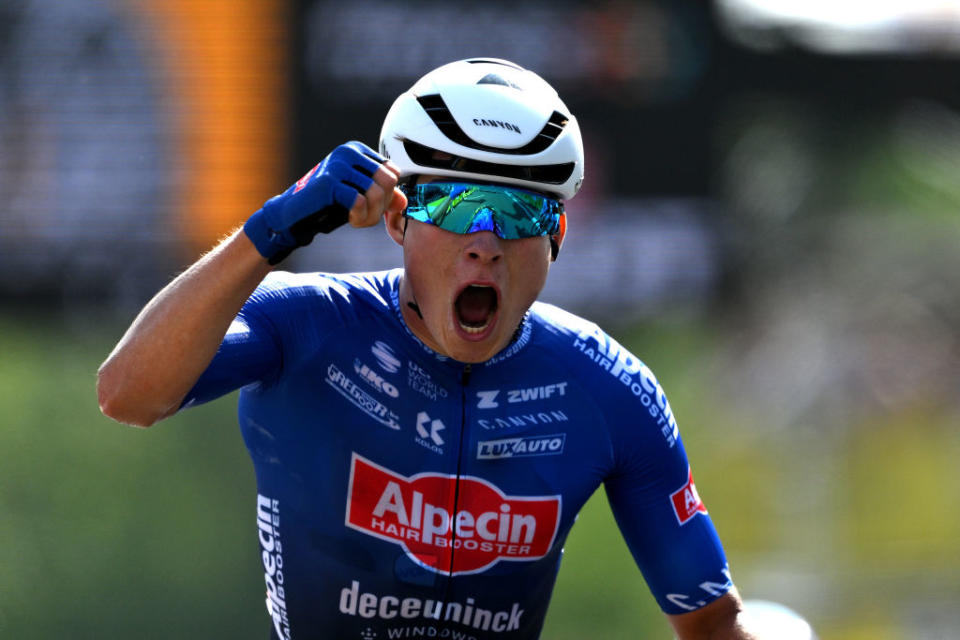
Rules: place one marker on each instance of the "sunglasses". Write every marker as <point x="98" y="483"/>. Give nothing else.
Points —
<point x="462" y="207"/>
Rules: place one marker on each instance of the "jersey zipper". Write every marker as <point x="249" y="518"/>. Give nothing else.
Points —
<point x="464" y="381"/>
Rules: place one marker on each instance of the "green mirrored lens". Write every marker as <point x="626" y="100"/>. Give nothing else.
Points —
<point x="464" y="208"/>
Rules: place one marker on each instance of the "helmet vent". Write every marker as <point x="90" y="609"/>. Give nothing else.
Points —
<point x="493" y="78"/>
<point x="438" y="111"/>
<point x="504" y="63"/>
<point x="546" y="174"/>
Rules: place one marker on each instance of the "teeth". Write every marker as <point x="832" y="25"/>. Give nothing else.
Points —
<point x="474" y="330"/>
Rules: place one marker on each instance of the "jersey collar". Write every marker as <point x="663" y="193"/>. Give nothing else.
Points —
<point x="520" y="339"/>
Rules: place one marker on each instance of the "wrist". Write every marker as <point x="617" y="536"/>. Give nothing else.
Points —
<point x="269" y="243"/>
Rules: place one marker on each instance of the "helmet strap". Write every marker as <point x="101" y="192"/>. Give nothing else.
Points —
<point x="416" y="308"/>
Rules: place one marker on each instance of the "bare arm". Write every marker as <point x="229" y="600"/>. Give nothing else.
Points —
<point x="716" y="621"/>
<point x="176" y="335"/>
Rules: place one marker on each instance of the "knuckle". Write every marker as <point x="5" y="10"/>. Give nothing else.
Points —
<point x="390" y="179"/>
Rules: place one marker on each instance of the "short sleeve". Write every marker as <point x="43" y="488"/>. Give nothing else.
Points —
<point x="250" y="354"/>
<point x="656" y="504"/>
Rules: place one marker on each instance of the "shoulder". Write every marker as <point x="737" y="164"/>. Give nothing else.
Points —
<point x="345" y="293"/>
<point x="581" y="340"/>
<point x="618" y="379"/>
<point x="559" y="322"/>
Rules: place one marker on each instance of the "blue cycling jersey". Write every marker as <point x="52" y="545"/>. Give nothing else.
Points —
<point x="402" y="494"/>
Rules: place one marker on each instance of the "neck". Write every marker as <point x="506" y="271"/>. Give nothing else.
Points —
<point x="412" y="315"/>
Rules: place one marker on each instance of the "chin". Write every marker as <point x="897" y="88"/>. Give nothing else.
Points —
<point x="473" y="350"/>
<point x="472" y="353"/>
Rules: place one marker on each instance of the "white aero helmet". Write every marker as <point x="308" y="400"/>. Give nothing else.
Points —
<point x="489" y="120"/>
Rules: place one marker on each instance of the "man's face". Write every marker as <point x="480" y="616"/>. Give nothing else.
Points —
<point x="472" y="289"/>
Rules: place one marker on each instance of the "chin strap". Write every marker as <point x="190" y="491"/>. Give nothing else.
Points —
<point x="412" y="304"/>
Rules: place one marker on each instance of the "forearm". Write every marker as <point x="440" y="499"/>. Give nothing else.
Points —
<point x="176" y="335"/>
<point x="722" y="619"/>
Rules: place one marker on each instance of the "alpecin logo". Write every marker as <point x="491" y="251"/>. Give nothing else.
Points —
<point x="416" y="514"/>
<point x="686" y="501"/>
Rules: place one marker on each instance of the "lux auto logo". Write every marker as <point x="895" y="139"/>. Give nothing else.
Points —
<point x="417" y="514"/>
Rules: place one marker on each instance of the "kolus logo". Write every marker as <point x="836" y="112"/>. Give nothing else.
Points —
<point x="416" y="513"/>
<point x="435" y="428"/>
<point x="385" y="356"/>
<point x="429" y="432"/>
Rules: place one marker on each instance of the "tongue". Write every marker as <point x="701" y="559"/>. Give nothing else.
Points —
<point x="476" y="304"/>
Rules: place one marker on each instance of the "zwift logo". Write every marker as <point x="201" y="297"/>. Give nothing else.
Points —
<point x="488" y="399"/>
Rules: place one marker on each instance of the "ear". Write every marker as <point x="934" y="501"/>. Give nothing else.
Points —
<point x="556" y="240"/>
<point x="393" y="218"/>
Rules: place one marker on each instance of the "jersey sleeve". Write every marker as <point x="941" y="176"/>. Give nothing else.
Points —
<point x="249" y="355"/>
<point x="654" y="499"/>
<point x="287" y="316"/>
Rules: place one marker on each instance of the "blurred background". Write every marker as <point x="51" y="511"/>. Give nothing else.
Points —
<point x="769" y="219"/>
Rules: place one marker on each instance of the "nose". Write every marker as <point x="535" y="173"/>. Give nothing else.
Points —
<point x="483" y="246"/>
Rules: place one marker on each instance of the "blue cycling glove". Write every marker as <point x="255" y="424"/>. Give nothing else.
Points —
<point x="319" y="202"/>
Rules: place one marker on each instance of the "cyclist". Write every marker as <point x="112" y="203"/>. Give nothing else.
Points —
<point x="423" y="438"/>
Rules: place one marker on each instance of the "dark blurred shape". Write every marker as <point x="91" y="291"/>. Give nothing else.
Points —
<point x="84" y="173"/>
<point x="635" y="71"/>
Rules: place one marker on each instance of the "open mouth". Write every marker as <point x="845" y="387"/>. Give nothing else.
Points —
<point x="475" y="308"/>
